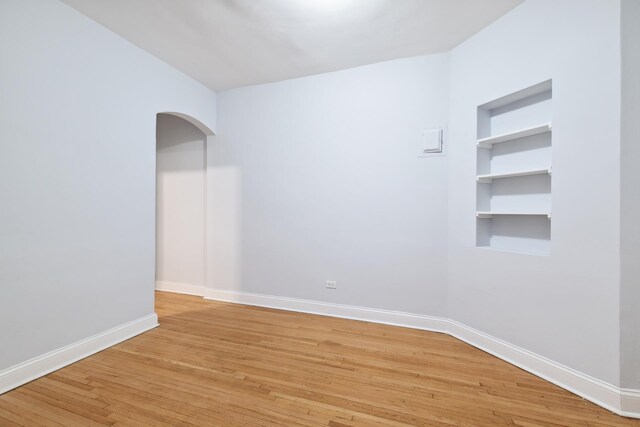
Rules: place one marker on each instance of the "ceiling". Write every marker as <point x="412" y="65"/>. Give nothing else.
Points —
<point x="230" y="43"/>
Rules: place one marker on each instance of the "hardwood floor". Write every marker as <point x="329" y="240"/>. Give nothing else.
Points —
<point x="219" y="364"/>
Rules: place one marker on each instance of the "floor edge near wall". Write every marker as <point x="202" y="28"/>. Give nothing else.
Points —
<point x="622" y="402"/>
<point x="625" y="402"/>
<point x="39" y="366"/>
<point x="180" y="288"/>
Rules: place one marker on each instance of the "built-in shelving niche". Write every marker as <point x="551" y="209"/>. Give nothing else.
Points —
<point x="513" y="206"/>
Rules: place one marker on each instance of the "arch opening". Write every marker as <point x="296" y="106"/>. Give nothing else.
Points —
<point x="180" y="216"/>
<point x="197" y="123"/>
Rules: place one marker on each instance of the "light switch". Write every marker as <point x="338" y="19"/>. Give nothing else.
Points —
<point x="432" y="141"/>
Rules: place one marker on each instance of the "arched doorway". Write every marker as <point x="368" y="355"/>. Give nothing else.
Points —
<point x="181" y="143"/>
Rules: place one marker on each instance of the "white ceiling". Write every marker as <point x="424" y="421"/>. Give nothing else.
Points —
<point x="231" y="43"/>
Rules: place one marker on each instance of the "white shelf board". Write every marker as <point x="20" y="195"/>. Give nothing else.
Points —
<point x="521" y="133"/>
<point x="512" y="251"/>
<point x="517" y="96"/>
<point x="491" y="214"/>
<point x="488" y="178"/>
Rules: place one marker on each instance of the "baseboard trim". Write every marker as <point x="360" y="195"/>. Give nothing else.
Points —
<point x="630" y="403"/>
<point x="25" y="372"/>
<point x="622" y="402"/>
<point x="388" y="317"/>
<point x="180" y="288"/>
<point x="585" y="386"/>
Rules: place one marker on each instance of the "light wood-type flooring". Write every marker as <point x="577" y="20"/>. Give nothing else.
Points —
<point x="220" y="364"/>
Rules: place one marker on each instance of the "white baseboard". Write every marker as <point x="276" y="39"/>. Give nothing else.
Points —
<point x="630" y="403"/>
<point x="388" y="317"/>
<point x="592" y="389"/>
<point x="180" y="288"/>
<point x="22" y="373"/>
<point x="621" y="402"/>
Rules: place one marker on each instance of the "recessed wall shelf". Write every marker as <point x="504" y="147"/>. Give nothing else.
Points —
<point x="514" y="251"/>
<point x="488" y="178"/>
<point x="513" y="178"/>
<point x="510" y="136"/>
<point x="490" y="214"/>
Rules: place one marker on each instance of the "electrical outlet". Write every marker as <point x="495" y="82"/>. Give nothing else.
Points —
<point x="331" y="284"/>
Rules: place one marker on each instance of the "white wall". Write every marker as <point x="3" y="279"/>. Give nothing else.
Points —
<point x="318" y="179"/>
<point x="564" y="306"/>
<point x="78" y="111"/>
<point x="630" y="192"/>
<point x="180" y="227"/>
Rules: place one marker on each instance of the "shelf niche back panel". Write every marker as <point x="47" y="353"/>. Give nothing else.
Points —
<point x="528" y="234"/>
<point x="530" y="108"/>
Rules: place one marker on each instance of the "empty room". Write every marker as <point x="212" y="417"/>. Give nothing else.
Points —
<point x="320" y="213"/>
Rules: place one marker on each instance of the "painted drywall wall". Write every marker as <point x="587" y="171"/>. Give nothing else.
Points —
<point x="78" y="109"/>
<point x="630" y="197"/>
<point x="319" y="179"/>
<point x="564" y="306"/>
<point x="180" y="202"/>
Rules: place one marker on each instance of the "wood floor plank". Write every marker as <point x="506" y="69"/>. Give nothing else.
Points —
<point x="221" y="364"/>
